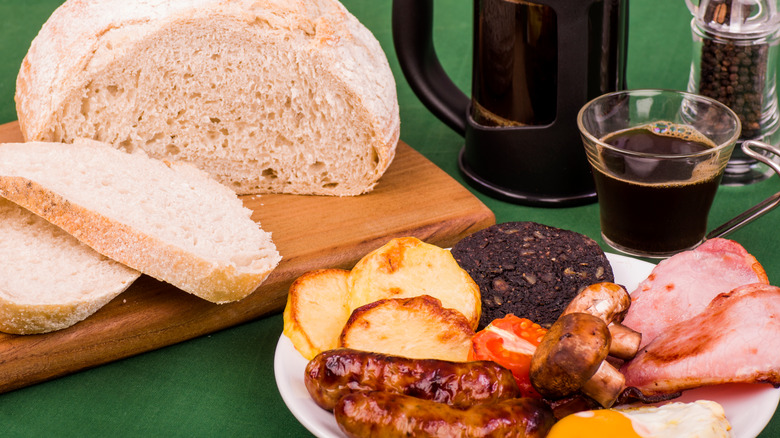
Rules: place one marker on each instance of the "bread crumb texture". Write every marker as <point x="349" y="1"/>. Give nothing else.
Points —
<point x="266" y="96"/>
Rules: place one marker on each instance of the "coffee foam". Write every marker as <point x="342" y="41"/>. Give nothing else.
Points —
<point x="684" y="132"/>
<point x="702" y="172"/>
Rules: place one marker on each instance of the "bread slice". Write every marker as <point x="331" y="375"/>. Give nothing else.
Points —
<point x="170" y="221"/>
<point x="267" y="96"/>
<point x="48" y="279"/>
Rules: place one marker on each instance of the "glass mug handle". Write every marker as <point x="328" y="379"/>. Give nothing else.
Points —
<point x="749" y="148"/>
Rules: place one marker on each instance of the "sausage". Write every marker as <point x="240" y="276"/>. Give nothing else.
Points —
<point x="335" y="373"/>
<point x="383" y="414"/>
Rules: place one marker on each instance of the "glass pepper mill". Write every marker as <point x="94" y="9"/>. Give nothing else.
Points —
<point x="734" y="61"/>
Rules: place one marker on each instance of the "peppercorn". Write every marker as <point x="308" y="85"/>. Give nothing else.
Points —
<point x="734" y="75"/>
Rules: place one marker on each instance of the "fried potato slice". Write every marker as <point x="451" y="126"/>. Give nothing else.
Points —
<point x="418" y="328"/>
<point x="316" y="311"/>
<point x="407" y="267"/>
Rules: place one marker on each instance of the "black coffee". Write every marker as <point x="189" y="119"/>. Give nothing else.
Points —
<point x="656" y="205"/>
<point x="515" y="63"/>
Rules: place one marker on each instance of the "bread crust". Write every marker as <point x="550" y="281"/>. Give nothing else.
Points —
<point x="27" y="319"/>
<point x="49" y="280"/>
<point x="83" y="38"/>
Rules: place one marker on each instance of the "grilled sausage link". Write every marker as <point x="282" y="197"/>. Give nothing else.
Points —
<point x="383" y="414"/>
<point x="335" y="373"/>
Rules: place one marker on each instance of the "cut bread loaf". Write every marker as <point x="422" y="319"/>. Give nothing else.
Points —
<point x="267" y="96"/>
<point x="48" y="279"/>
<point x="170" y="221"/>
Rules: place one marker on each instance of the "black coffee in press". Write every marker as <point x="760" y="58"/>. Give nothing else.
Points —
<point x="515" y="63"/>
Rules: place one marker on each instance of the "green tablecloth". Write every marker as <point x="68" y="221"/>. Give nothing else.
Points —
<point x="223" y="384"/>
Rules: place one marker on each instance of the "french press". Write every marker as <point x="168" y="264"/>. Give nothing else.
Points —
<point x="535" y="64"/>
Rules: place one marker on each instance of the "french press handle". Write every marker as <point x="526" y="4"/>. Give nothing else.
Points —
<point x="412" y="24"/>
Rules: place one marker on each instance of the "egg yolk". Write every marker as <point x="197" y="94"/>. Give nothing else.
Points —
<point x="594" y="424"/>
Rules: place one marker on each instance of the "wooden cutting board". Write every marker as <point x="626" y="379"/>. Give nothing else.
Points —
<point x="413" y="198"/>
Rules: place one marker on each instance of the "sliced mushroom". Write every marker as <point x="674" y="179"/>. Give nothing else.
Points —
<point x="570" y="358"/>
<point x="610" y="302"/>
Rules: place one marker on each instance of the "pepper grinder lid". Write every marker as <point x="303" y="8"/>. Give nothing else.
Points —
<point x="736" y="18"/>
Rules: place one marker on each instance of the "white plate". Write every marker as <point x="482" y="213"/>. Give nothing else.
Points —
<point x="749" y="407"/>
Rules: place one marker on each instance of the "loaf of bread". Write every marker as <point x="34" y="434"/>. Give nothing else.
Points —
<point x="48" y="279"/>
<point x="170" y="221"/>
<point x="267" y="96"/>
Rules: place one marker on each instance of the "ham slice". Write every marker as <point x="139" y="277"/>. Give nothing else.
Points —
<point x="683" y="285"/>
<point x="735" y="339"/>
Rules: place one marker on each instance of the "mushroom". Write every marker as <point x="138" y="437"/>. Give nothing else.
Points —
<point x="610" y="302"/>
<point x="571" y="357"/>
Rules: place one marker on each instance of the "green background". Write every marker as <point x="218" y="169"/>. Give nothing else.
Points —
<point x="223" y="384"/>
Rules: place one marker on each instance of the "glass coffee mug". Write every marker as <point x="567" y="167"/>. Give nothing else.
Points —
<point x="658" y="157"/>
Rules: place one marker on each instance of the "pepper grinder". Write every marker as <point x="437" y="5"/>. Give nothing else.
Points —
<point x="734" y="61"/>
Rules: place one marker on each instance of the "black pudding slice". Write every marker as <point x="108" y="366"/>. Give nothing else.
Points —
<point x="529" y="269"/>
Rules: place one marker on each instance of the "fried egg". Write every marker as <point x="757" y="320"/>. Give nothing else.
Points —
<point x="700" y="419"/>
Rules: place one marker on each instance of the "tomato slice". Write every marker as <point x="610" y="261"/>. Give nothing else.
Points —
<point x="510" y="341"/>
